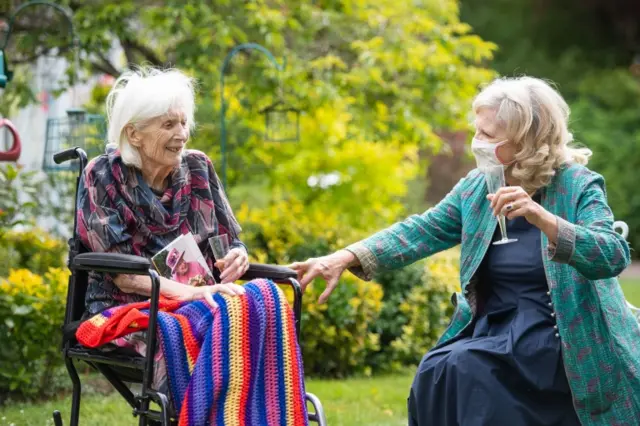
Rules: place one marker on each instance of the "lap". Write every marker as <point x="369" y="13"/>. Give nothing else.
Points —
<point x="477" y="381"/>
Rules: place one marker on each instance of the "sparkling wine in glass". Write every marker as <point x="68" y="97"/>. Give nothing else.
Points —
<point x="494" y="176"/>
<point x="220" y="248"/>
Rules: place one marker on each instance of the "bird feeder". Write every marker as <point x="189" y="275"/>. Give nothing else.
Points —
<point x="282" y="123"/>
<point x="77" y="129"/>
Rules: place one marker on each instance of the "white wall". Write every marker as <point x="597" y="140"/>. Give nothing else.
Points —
<point x="31" y="121"/>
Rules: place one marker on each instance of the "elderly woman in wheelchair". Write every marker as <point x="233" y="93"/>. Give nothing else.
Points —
<point x="135" y="199"/>
<point x="147" y="190"/>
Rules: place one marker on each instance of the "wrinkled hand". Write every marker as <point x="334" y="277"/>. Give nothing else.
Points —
<point x="513" y="201"/>
<point x="330" y="268"/>
<point x="206" y="292"/>
<point x="177" y="291"/>
<point x="233" y="266"/>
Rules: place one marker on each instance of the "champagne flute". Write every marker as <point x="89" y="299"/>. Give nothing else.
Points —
<point x="494" y="175"/>
<point x="220" y="248"/>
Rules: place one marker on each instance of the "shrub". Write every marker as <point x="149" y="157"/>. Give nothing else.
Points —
<point x="29" y="197"/>
<point x="31" y="313"/>
<point x="287" y="231"/>
<point x="32" y="249"/>
<point x="335" y="336"/>
<point x="428" y="310"/>
<point x="19" y="192"/>
<point x="397" y="286"/>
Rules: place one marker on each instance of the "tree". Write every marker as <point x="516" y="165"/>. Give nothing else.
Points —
<point x="375" y="79"/>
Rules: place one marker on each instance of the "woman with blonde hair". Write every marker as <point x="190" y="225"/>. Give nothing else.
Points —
<point x="541" y="334"/>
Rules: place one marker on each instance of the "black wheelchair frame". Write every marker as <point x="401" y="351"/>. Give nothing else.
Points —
<point x="125" y="366"/>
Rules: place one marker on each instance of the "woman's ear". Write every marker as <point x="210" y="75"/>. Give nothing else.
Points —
<point x="133" y="135"/>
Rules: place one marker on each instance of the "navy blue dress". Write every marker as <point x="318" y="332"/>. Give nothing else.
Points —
<point x="506" y="368"/>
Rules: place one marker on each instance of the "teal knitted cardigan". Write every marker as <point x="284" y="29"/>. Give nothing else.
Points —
<point x="600" y="337"/>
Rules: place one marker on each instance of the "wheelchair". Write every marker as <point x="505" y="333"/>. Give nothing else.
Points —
<point x="124" y="367"/>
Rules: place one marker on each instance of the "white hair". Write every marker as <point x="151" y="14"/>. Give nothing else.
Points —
<point x="144" y="94"/>
<point x="535" y="118"/>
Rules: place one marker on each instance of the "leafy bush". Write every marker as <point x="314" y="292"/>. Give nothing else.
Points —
<point x="30" y="317"/>
<point x="19" y="191"/>
<point x="606" y="120"/>
<point x="428" y="310"/>
<point x="32" y="249"/>
<point x="335" y="336"/>
<point x="286" y="231"/>
<point x="31" y="197"/>
<point x="397" y="286"/>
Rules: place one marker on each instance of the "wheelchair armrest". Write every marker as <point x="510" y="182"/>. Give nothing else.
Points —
<point x="272" y="272"/>
<point x="116" y="263"/>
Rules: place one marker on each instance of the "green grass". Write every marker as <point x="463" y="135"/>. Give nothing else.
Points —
<point x="376" y="401"/>
<point x="631" y="288"/>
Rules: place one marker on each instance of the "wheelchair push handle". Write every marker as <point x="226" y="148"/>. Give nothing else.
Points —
<point x="66" y="155"/>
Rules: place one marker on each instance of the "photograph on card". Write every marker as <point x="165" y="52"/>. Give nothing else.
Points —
<point x="183" y="262"/>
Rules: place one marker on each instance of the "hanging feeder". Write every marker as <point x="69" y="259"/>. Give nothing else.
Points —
<point x="78" y="129"/>
<point x="282" y="123"/>
<point x="14" y="152"/>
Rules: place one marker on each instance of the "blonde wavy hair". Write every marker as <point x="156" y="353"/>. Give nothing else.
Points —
<point x="535" y="118"/>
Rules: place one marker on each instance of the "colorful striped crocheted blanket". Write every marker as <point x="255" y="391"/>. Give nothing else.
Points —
<point x="237" y="364"/>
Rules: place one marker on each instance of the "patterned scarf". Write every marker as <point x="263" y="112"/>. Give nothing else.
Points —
<point x="235" y="365"/>
<point x="119" y="213"/>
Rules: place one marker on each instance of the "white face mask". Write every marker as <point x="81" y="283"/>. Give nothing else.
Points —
<point x="486" y="153"/>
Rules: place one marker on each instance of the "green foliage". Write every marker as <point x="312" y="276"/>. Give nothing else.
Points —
<point x="559" y="41"/>
<point x="375" y="80"/>
<point x="336" y="334"/>
<point x="30" y="319"/>
<point x="31" y="249"/>
<point x="32" y="297"/>
<point x="336" y="338"/>
<point x="57" y="201"/>
<point x="287" y="231"/>
<point x="428" y="309"/>
<point x="390" y="324"/>
<point x="19" y="192"/>
<point x="368" y="104"/>
<point x="605" y="119"/>
<point x="29" y="196"/>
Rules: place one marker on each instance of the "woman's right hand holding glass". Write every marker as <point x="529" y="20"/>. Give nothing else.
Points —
<point x="329" y="267"/>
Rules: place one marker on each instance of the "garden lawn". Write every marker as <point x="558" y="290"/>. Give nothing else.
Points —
<point x="631" y="288"/>
<point x="373" y="402"/>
